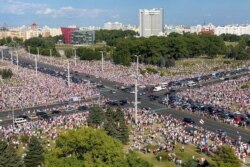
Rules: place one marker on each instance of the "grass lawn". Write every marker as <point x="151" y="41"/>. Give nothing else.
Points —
<point x="190" y="151"/>
<point x="151" y="158"/>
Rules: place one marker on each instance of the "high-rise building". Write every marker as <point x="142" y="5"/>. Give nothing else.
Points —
<point x="151" y="22"/>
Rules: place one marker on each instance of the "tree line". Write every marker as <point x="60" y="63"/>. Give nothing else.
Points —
<point x="163" y="51"/>
<point x="11" y="42"/>
<point x="45" y="44"/>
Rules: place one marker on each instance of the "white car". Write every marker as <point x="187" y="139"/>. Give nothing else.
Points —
<point x="20" y="120"/>
<point x="157" y="88"/>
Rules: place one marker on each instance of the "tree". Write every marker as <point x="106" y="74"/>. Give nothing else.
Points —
<point x="96" y="117"/>
<point x="115" y="125"/>
<point x="6" y="73"/>
<point x="8" y="155"/>
<point x="35" y="154"/>
<point x="88" y="54"/>
<point x="225" y="157"/>
<point x="86" y="147"/>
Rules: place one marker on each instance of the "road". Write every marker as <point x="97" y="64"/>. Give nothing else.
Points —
<point x="209" y="124"/>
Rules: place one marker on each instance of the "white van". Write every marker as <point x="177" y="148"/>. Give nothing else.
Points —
<point x="20" y="120"/>
<point x="157" y="88"/>
<point x="191" y="83"/>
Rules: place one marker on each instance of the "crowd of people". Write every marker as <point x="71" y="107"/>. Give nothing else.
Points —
<point x="164" y="132"/>
<point x="231" y="95"/>
<point x="126" y="75"/>
<point x="28" y="90"/>
<point x="161" y="131"/>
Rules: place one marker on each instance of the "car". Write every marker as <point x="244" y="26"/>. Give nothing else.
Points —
<point x="123" y="102"/>
<point x="54" y="112"/>
<point x="82" y="108"/>
<point x="153" y="97"/>
<point x="20" y="120"/>
<point x="45" y="117"/>
<point x="33" y="117"/>
<point x="40" y="113"/>
<point x="188" y="120"/>
<point x="23" y="116"/>
<point x="221" y="132"/>
<point x="69" y="109"/>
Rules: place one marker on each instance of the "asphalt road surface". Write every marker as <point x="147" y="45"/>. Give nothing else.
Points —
<point x="106" y="92"/>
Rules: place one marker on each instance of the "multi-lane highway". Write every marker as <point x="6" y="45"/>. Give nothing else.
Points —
<point x="209" y="124"/>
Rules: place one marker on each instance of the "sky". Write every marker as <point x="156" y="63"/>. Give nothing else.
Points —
<point x="55" y="13"/>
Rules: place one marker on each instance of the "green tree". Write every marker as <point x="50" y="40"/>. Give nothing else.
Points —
<point x="6" y="73"/>
<point x="225" y="157"/>
<point x="96" y="117"/>
<point x="35" y="153"/>
<point x="88" y="54"/>
<point x="8" y="155"/>
<point x="86" y="147"/>
<point x="115" y="125"/>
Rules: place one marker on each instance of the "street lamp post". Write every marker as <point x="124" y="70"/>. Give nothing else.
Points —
<point x="136" y="89"/>
<point x="50" y="53"/>
<point x="11" y="56"/>
<point x="38" y="52"/>
<point x="68" y="75"/>
<point x="13" y="114"/>
<point x="102" y="60"/>
<point x="17" y="60"/>
<point x="75" y="55"/>
<point x="36" y="64"/>
<point x="29" y="50"/>
<point x="2" y="55"/>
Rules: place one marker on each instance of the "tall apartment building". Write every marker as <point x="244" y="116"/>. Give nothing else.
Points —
<point x="151" y="22"/>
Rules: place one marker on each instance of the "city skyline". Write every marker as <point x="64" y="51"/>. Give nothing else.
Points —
<point x="98" y="12"/>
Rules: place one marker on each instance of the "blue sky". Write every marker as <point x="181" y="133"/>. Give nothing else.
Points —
<point x="57" y="13"/>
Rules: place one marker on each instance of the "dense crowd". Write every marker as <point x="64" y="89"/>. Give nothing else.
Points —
<point x="164" y="132"/>
<point x="230" y="95"/>
<point x="29" y="90"/>
<point x="126" y="75"/>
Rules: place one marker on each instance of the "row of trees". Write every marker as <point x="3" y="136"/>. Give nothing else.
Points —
<point x="111" y="36"/>
<point x="11" y="41"/>
<point x="44" y="45"/>
<point x="162" y="51"/>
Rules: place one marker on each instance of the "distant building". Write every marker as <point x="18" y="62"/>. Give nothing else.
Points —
<point x="66" y="32"/>
<point x="85" y="37"/>
<point x="31" y="31"/>
<point x="78" y="36"/>
<point x="233" y="29"/>
<point x="180" y="29"/>
<point x="151" y="22"/>
<point x="113" y="26"/>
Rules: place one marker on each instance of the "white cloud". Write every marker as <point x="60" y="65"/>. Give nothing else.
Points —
<point x="70" y="12"/>
<point x="20" y="8"/>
